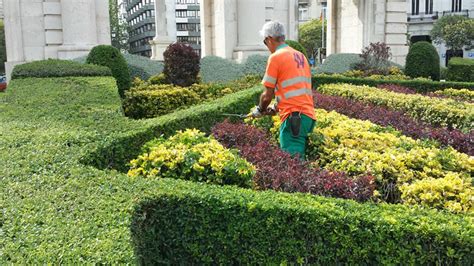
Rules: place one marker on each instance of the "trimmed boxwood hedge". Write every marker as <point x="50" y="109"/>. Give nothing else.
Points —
<point x="57" y="208"/>
<point x="58" y="68"/>
<point x="421" y="86"/>
<point x="460" y="69"/>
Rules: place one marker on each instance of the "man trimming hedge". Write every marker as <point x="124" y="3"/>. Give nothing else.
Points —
<point x="288" y="78"/>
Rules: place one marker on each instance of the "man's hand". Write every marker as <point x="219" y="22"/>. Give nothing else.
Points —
<point x="271" y="110"/>
<point x="256" y="113"/>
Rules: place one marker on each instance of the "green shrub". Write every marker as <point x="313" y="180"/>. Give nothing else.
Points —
<point x="139" y="66"/>
<point x="297" y="46"/>
<point x="106" y="55"/>
<point x="159" y="79"/>
<point x="216" y="69"/>
<point x="461" y="69"/>
<point x="181" y="64"/>
<point x="190" y="155"/>
<point x="420" y="86"/>
<point x="255" y="65"/>
<point x="422" y="61"/>
<point x="195" y="225"/>
<point x="147" y="101"/>
<point x="339" y="63"/>
<point x="142" y="67"/>
<point x="58" y="68"/>
<point x="151" y="102"/>
<point x="443" y="73"/>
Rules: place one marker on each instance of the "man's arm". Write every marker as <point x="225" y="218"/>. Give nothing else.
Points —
<point x="266" y="98"/>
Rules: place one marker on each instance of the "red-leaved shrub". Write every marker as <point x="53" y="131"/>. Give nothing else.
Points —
<point x="279" y="171"/>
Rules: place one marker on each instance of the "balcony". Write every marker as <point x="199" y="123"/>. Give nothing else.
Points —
<point x="430" y="18"/>
<point x="422" y="18"/>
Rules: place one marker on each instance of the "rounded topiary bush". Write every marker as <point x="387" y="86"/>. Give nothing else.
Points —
<point x="106" y="55"/>
<point x="297" y="46"/>
<point x="422" y="61"/>
<point x="181" y="64"/>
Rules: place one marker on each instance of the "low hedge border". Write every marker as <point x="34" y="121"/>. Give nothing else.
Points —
<point x="194" y="224"/>
<point x="420" y="86"/>
<point x="58" y="68"/>
<point x="59" y="210"/>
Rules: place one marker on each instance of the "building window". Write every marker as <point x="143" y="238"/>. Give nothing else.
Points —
<point x="456" y="5"/>
<point x="303" y="12"/>
<point x="429" y="7"/>
<point x="415" y="7"/>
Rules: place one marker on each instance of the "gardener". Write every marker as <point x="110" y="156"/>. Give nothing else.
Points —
<point x="288" y="77"/>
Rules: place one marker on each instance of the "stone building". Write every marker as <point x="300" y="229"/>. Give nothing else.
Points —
<point x="353" y="24"/>
<point x="230" y="28"/>
<point x="58" y="29"/>
<point x="311" y="9"/>
<point x="422" y="14"/>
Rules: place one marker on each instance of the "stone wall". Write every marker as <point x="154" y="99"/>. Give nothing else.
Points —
<point x="57" y="29"/>
<point x="230" y="28"/>
<point x="353" y="24"/>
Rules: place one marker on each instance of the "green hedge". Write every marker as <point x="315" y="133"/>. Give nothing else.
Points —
<point x="194" y="225"/>
<point x="420" y="86"/>
<point x="59" y="210"/>
<point x="58" y="68"/>
<point x="461" y="69"/>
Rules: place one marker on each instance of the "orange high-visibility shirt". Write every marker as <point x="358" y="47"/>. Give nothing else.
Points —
<point x="289" y="74"/>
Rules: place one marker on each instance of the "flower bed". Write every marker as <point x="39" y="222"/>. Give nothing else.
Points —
<point x="380" y="115"/>
<point x="398" y="162"/>
<point x="455" y="94"/>
<point x="65" y="205"/>
<point x="442" y="112"/>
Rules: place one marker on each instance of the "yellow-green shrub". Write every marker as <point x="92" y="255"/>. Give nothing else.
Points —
<point x="462" y="94"/>
<point x="192" y="156"/>
<point x="357" y="147"/>
<point x="146" y="101"/>
<point x="443" y="112"/>
<point x="450" y="192"/>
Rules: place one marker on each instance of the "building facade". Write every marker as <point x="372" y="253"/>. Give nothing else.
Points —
<point x="422" y="14"/>
<point x="230" y="28"/>
<point x="311" y="9"/>
<point x="178" y="20"/>
<point x="352" y="25"/>
<point x="141" y="23"/>
<point x="188" y="23"/>
<point x="58" y="29"/>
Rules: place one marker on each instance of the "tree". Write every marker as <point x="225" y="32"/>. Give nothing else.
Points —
<point x="438" y="31"/>
<point x="310" y="36"/>
<point x="3" y="48"/>
<point x="118" y="27"/>
<point x="459" y="35"/>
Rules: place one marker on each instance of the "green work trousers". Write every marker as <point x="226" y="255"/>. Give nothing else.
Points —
<point x="296" y="145"/>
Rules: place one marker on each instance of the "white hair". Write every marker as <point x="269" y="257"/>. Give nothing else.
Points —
<point x="273" y="29"/>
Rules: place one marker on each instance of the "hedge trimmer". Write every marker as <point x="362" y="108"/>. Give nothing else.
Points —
<point x="237" y="115"/>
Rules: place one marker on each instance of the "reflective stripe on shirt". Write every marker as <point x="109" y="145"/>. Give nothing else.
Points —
<point x="298" y="92"/>
<point x="294" y="81"/>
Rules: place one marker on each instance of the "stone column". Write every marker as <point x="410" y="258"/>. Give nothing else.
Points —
<point x="79" y="28"/>
<point x="165" y="24"/>
<point x="13" y="35"/>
